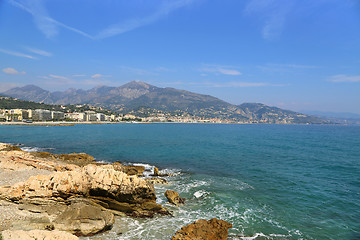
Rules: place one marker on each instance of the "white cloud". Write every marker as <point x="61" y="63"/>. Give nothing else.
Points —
<point x="97" y="75"/>
<point x="17" y="54"/>
<point x="274" y="67"/>
<point x="344" y="78"/>
<point x="239" y="84"/>
<point x="13" y="71"/>
<point x="119" y="28"/>
<point x="39" y="52"/>
<point x="247" y="84"/>
<point x="49" y="26"/>
<point x="273" y="13"/>
<point x="57" y="77"/>
<point x="226" y="70"/>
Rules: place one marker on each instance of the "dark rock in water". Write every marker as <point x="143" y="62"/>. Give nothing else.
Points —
<point x="156" y="171"/>
<point x="9" y="147"/>
<point x="157" y="181"/>
<point x="84" y="219"/>
<point x="174" y="198"/>
<point x="129" y="170"/>
<point x="202" y="229"/>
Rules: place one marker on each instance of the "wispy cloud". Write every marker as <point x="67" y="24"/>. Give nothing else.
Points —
<point x="344" y="78"/>
<point x="239" y="84"/>
<point x="166" y="8"/>
<point x="13" y="71"/>
<point x="218" y="69"/>
<point x="274" y="67"/>
<point x="39" y="52"/>
<point x="47" y="25"/>
<point x="50" y="27"/>
<point x="272" y="13"/>
<point x="79" y="75"/>
<point x="98" y="75"/>
<point x="17" y="54"/>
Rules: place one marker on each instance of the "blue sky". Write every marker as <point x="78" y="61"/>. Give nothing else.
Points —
<point x="294" y="54"/>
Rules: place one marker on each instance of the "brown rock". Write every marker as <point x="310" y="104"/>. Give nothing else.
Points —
<point x="174" y="198"/>
<point x="156" y="171"/>
<point x="157" y="181"/>
<point x="202" y="229"/>
<point x="123" y="192"/>
<point x="84" y="219"/>
<point x="36" y="234"/>
<point x="80" y="159"/>
<point x="129" y="170"/>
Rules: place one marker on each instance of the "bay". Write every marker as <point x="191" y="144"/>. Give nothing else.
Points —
<point x="269" y="181"/>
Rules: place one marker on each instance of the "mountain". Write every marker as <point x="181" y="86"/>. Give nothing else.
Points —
<point x="139" y="98"/>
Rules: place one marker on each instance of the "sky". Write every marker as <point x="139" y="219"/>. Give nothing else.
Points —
<point x="302" y="55"/>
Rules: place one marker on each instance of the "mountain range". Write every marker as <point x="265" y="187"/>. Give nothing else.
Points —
<point x="136" y="96"/>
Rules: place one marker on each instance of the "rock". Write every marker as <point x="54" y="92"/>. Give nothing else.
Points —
<point x="83" y="219"/>
<point x="157" y="181"/>
<point x="156" y="171"/>
<point x="129" y="170"/>
<point x="90" y="181"/>
<point x="174" y="198"/>
<point x="32" y="223"/>
<point x="202" y="229"/>
<point x="8" y="147"/>
<point x="80" y="159"/>
<point x="36" y="234"/>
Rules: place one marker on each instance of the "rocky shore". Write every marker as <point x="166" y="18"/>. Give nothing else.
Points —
<point x="65" y="196"/>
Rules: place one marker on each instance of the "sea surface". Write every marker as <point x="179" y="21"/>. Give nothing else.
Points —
<point x="269" y="181"/>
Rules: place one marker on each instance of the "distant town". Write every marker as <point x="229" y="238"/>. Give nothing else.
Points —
<point x="43" y="115"/>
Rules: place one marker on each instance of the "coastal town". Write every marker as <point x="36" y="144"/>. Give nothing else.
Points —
<point x="44" y="115"/>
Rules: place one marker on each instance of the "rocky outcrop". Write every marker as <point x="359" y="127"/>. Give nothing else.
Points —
<point x="129" y="170"/>
<point x="174" y="198"/>
<point x="84" y="219"/>
<point x="36" y="234"/>
<point x="80" y="159"/>
<point x="202" y="229"/>
<point x="101" y="183"/>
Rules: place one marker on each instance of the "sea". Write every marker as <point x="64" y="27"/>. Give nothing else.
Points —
<point x="269" y="181"/>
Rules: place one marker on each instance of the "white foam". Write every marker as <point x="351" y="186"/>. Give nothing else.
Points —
<point x="200" y="193"/>
<point x="35" y="149"/>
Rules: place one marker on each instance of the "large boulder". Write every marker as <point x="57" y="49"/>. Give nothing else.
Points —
<point x="84" y="219"/>
<point x="202" y="229"/>
<point x="174" y="198"/>
<point x="36" y="234"/>
<point x="90" y="181"/>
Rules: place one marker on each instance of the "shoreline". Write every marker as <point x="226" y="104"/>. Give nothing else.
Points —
<point x="34" y="185"/>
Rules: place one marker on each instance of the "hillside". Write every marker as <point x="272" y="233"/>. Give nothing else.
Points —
<point x="140" y="98"/>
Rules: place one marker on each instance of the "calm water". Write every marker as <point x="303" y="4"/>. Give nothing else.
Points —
<point x="270" y="181"/>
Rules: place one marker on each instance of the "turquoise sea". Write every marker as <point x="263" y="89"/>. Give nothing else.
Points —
<point x="269" y="181"/>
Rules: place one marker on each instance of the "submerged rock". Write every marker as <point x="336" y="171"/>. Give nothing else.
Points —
<point x="174" y="198"/>
<point x="202" y="229"/>
<point x="36" y="234"/>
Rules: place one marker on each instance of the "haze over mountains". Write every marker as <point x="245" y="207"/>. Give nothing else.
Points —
<point x="136" y="96"/>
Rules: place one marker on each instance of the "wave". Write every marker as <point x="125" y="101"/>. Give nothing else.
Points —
<point x="36" y="149"/>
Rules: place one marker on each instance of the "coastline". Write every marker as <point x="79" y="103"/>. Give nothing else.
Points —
<point x="25" y="199"/>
